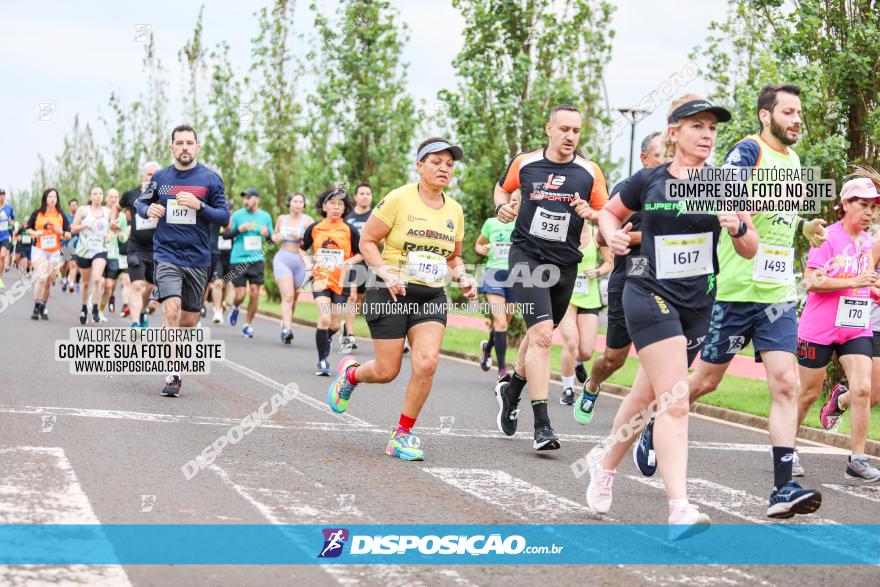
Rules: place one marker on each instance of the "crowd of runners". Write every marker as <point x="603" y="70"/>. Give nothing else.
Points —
<point x="679" y="285"/>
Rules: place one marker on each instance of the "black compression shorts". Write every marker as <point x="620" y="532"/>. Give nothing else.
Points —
<point x="540" y="302"/>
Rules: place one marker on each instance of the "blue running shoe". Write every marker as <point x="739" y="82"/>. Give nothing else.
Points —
<point x="793" y="499"/>
<point x="248" y="331"/>
<point x="286" y="336"/>
<point x="340" y="390"/>
<point x="233" y="316"/>
<point x="643" y="451"/>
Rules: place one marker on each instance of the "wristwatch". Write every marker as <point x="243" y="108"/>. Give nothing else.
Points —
<point x="498" y="207"/>
<point x="743" y="229"/>
<point x="201" y="204"/>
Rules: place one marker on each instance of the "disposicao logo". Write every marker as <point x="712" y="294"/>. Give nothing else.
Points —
<point x="334" y="541"/>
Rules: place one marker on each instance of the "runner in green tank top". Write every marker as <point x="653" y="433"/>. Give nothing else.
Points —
<point x="581" y="322"/>
<point x="756" y="302"/>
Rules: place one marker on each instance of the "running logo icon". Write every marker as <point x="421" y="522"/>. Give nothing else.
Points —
<point x="554" y="182"/>
<point x="334" y="541"/>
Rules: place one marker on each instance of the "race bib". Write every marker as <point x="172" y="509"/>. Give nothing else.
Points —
<point x="254" y="243"/>
<point x="683" y="255"/>
<point x="774" y="264"/>
<point x="501" y="251"/>
<point x="177" y="214"/>
<point x="49" y="241"/>
<point x="330" y="259"/>
<point x="123" y="262"/>
<point x="853" y="313"/>
<point x="25" y="239"/>
<point x="582" y="284"/>
<point x="290" y="233"/>
<point x="551" y="226"/>
<point x="4" y="225"/>
<point x="141" y="223"/>
<point x="426" y="266"/>
<point x="224" y="244"/>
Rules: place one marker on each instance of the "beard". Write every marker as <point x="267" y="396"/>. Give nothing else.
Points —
<point x="777" y="131"/>
<point x="184" y="158"/>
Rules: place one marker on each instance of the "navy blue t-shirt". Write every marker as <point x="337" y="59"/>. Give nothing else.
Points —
<point x="188" y="245"/>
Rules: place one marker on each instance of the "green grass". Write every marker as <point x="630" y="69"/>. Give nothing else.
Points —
<point x="734" y="393"/>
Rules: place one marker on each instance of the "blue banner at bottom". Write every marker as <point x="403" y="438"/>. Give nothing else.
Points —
<point x="233" y="544"/>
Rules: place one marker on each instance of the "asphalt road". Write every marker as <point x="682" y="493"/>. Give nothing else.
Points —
<point x="88" y="449"/>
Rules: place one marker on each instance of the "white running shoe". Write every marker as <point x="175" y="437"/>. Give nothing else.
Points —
<point x="217" y="318"/>
<point x="687" y="520"/>
<point x="599" y="489"/>
<point x="102" y="317"/>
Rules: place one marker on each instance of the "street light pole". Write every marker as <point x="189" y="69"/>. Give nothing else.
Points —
<point x="632" y="115"/>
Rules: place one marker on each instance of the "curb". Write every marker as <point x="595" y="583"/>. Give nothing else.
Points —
<point x="872" y="447"/>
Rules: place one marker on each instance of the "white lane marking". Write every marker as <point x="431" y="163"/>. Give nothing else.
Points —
<point x="301" y="396"/>
<point x="733" y="502"/>
<point x="352" y="427"/>
<point x="39" y="486"/>
<point x="301" y="507"/>
<point x="525" y="501"/>
<point x="869" y="492"/>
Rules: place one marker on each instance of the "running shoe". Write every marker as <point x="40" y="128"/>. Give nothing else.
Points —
<point x="45" y="314"/>
<point x="831" y="412"/>
<point x="322" y="369"/>
<point x="485" y="357"/>
<point x="340" y="390"/>
<point x="793" y="499"/>
<point x="145" y="322"/>
<point x="406" y="347"/>
<point x="217" y="318"/>
<point x="504" y="375"/>
<point x="583" y="408"/>
<point x="643" y="451"/>
<point x="796" y="469"/>
<point x="83" y="315"/>
<point x="36" y="314"/>
<point x="102" y="317"/>
<point x="203" y="311"/>
<point x="599" y="489"/>
<point x="686" y="521"/>
<point x="96" y="317"/>
<point x="347" y="344"/>
<point x="507" y="409"/>
<point x="172" y="386"/>
<point x="567" y="397"/>
<point x="63" y="284"/>
<point x="862" y="469"/>
<point x="248" y="331"/>
<point x="545" y="438"/>
<point x="233" y="316"/>
<point x="125" y="312"/>
<point x="405" y="446"/>
<point x="136" y="325"/>
<point x="286" y="336"/>
<point x="580" y="372"/>
<point x="111" y="304"/>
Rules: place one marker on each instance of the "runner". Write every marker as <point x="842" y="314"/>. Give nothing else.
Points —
<point x="287" y="265"/>
<point x="124" y="279"/>
<point x="70" y="276"/>
<point x="617" y="340"/>
<point x="840" y="277"/>
<point x="668" y="307"/>
<point x="759" y="306"/>
<point x="580" y="325"/>
<point x="494" y="243"/>
<point x="363" y="206"/>
<point x="185" y="199"/>
<point x="220" y="249"/>
<point x="118" y="235"/>
<point x="47" y="226"/>
<point x="558" y="187"/>
<point x="7" y="215"/>
<point x="23" y="248"/>
<point x="335" y="245"/>
<point x="92" y="223"/>
<point x="250" y="226"/>
<point x="423" y="230"/>
<point x="140" y="249"/>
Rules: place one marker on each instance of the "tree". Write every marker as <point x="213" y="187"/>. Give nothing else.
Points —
<point x="222" y="144"/>
<point x="75" y="168"/>
<point x="156" y="129"/>
<point x="192" y="57"/>
<point x="363" y="119"/>
<point x="277" y="109"/>
<point x="119" y="165"/>
<point x="521" y="58"/>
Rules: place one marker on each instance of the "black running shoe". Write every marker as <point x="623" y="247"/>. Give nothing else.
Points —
<point x="643" y="451"/>
<point x="545" y="439"/>
<point x="203" y="311"/>
<point x="507" y="410"/>
<point x="96" y="317"/>
<point x="567" y="398"/>
<point x="172" y="386"/>
<point x="111" y="305"/>
<point x="36" y="314"/>
<point x="793" y="499"/>
<point x="45" y="313"/>
<point x="580" y="372"/>
<point x="485" y="357"/>
<point x="83" y="315"/>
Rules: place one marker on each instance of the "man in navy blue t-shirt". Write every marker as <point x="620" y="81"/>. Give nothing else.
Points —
<point x="186" y="199"/>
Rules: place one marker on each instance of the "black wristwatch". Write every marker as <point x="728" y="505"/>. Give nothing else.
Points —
<point x="743" y="229"/>
<point x="498" y="207"/>
<point x="201" y="204"/>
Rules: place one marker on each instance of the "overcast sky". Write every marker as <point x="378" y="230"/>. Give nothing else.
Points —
<point x="72" y="55"/>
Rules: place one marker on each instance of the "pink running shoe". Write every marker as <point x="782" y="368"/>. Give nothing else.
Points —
<point x="830" y="415"/>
